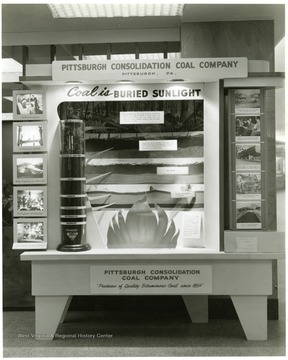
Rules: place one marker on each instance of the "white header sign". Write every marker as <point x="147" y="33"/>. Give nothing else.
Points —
<point x="151" y="279"/>
<point x="198" y="69"/>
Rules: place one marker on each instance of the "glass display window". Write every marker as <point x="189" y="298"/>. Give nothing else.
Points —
<point x="145" y="169"/>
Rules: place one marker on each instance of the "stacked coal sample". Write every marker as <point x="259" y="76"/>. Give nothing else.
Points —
<point x="73" y="186"/>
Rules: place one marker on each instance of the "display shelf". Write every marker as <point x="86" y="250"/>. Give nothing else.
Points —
<point x="146" y="254"/>
<point x="260" y="241"/>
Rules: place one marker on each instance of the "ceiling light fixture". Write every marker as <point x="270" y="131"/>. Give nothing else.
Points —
<point x="125" y="81"/>
<point x="176" y="80"/>
<point x="71" y="82"/>
<point x="114" y="10"/>
<point x="95" y="57"/>
<point x="122" y="57"/>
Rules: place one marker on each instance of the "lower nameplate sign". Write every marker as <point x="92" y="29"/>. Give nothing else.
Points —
<point x="152" y="279"/>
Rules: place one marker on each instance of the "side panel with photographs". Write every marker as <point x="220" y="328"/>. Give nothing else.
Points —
<point x="247" y="159"/>
<point x="29" y="169"/>
<point x="30" y="233"/>
<point x="30" y="136"/>
<point x="29" y="105"/>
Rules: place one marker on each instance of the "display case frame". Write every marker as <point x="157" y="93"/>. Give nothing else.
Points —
<point x="210" y="235"/>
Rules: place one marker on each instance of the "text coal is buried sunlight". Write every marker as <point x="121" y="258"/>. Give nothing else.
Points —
<point x="76" y="91"/>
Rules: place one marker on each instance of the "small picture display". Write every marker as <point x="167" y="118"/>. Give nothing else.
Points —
<point x="247" y="128"/>
<point x="248" y="186"/>
<point x="29" y="105"/>
<point x="247" y="101"/>
<point x="249" y="215"/>
<point x="248" y="156"/>
<point x="30" y="233"/>
<point x="30" y="169"/>
<point x="30" y="136"/>
<point x="30" y="201"/>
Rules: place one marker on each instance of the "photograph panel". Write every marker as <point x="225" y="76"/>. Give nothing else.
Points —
<point x="30" y="136"/>
<point x="248" y="215"/>
<point x="247" y="101"/>
<point x="30" y="201"/>
<point x="30" y="169"/>
<point x="248" y="156"/>
<point x="30" y="233"/>
<point x="29" y="105"/>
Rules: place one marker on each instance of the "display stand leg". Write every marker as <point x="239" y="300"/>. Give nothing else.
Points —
<point x="65" y="310"/>
<point x="197" y="307"/>
<point x="252" y="313"/>
<point x="49" y="310"/>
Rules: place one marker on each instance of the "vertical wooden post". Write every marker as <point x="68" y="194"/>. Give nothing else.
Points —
<point x="108" y="51"/>
<point x="80" y="51"/>
<point x="52" y="53"/>
<point x="165" y="50"/>
<point x="25" y="55"/>
<point x="137" y="51"/>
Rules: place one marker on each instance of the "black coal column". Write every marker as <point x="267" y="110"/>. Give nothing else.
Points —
<point x="73" y="186"/>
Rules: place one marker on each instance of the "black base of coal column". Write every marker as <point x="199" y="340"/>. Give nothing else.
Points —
<point x="73" y="248"/>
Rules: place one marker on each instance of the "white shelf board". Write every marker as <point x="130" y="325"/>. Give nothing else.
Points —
<point x="145" y="254"/>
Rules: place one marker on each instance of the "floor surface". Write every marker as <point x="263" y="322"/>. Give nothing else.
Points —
<point x="132" y="334"/>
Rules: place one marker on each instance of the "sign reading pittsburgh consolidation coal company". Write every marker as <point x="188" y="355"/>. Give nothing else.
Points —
<point x="151" y="70"/>
<point x="151" y="279"/>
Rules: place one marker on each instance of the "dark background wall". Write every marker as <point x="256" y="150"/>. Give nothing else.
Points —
<point x="251" y="39"/>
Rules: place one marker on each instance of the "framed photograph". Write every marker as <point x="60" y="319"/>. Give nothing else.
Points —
<point x="248" y="215"/>
<point x="247" y="128"/>
<point x="30" y="233"/>
<point x="30" y="136"/>
<point x="30" y="201"/>
<point x="248" y="156"/>
<point x="247" y="101"/>
<point x="30" y="169"/>
<point x="29" y="105"/>
<point x="248" y="186"/>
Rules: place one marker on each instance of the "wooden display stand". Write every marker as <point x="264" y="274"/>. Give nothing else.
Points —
<point x="246" y="278"/>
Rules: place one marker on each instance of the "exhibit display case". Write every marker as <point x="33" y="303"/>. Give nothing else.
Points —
<point x="145" y="160"/>
<point x="144" y="169"/>
<point x="167" y="185"/>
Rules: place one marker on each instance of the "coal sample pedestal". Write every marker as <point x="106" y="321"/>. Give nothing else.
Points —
<point x="73" y="186"/>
